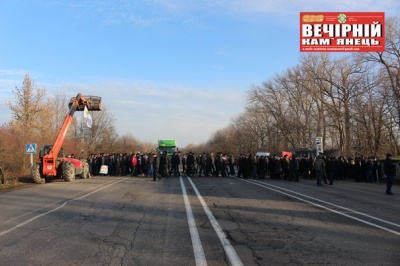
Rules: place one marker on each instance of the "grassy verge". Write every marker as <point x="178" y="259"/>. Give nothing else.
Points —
<point x="16" y="183"/>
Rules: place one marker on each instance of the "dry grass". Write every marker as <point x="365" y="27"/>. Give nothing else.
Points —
<point x="16" y="183"/>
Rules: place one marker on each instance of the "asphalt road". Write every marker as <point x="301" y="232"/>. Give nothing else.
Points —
<point x="199" y="221"/>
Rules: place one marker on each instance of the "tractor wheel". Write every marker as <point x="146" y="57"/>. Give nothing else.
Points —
<point x="37" y="177"/>
<point x="85" y="171"/>
<point x="68" y="171"/>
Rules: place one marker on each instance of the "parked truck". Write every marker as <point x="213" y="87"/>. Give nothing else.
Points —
<point x="52" y="162"/>
<point x="167" y="145"/>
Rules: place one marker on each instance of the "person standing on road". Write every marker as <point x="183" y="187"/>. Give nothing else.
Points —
<point x="368" y="170"/>
<point x="190" y="164"/>
<point x="303" y="167"/>
<point x="156" y="165"/>
<point x="375" y="169"/>
<point x="331" y="169"/>
<point x="133" y="165"/>
<point x="224" y="169"/>
<point x="150" y="167"/>
<point x="212" y="163"/>
<point x="231" y="163"/>
<point x="208" y="163"/>
<point x="163" y="164"/>
<point x="294" y="169"/>
<point x="202" y="164"/>
<point x="117" y="164"/>
<point x="218" y="163"/>
<point x="285" y="167"/>
<point x="175" y="161"/>
<point x="390" y="171"/>
<point x="184" y="163"/>
<point x="319" y="169"/>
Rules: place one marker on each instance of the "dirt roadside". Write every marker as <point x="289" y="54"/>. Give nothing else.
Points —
<point x="11" y="184"/>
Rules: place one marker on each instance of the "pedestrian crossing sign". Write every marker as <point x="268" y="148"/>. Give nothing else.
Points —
<point x="31" y="148"/>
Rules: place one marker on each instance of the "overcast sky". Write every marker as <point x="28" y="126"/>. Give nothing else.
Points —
<point x="165" y="68"/>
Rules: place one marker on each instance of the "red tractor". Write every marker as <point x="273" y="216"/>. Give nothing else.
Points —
<point x="51" y="162"/>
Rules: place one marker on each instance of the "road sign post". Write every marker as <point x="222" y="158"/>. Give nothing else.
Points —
<point x="318" y="145"/>
<point x="31" y="149"/>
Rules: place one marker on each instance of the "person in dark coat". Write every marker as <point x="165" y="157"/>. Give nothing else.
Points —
<point x="190" y="164"/>
<point x="294" y="169"/>
<point x="231" y="163"/>
<point x="276" y="168"/>
<point x="303" y="167"/>
<point x="163" y="165"/>
<point x="319" y="169"/>
<point x="285" y="165"/>
<point x="175" y="161"/>
<point x="331" y="169"/>
<point x="368" y="169"/>
<point x="390" y="171"/>
<point x="156" y="166"/>
<point x="375" y="169"/>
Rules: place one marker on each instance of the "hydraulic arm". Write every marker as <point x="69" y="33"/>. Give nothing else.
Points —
<point x="77" y="103"/>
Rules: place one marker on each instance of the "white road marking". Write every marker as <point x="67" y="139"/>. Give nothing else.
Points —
<point x="44" y="207"/>
<point x="337" y="206"/>
<point x="194" y="234"/>
<point x="229" y="250"/>
<point x="57" y="208"/>
<point x="267" y="186"/>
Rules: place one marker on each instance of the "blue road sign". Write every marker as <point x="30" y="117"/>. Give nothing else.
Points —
<point x="31" y="148"/>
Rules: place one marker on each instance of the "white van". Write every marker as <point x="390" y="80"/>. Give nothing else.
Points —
<point x="262" y="153"/>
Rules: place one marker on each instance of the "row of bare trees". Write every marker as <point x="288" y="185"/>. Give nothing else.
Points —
<point x="38" y="119"/>
<point x="352" y="102"/>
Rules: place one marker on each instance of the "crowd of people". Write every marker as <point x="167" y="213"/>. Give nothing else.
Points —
<point x="291" y="168"/>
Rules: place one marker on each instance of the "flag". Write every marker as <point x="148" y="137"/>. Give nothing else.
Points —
<point x="88" y="117"/>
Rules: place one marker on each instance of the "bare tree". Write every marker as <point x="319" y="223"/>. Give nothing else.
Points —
<point x="336" y="84"/>
<point x="311" y="67"/>
<point x="59" y="110"/>
<point x="128" y="143"/>
<point x="102" y="136"/>
<point x="286" y="102"/>
<point x="10" y="151"/>
<point x="29" y="111"/>
<point x="302" y="107"/>
<point x="255" y="124"/>
<point x="388" y="61"/>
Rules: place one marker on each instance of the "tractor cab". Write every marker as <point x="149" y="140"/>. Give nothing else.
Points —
<point x="46" y="148"/>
